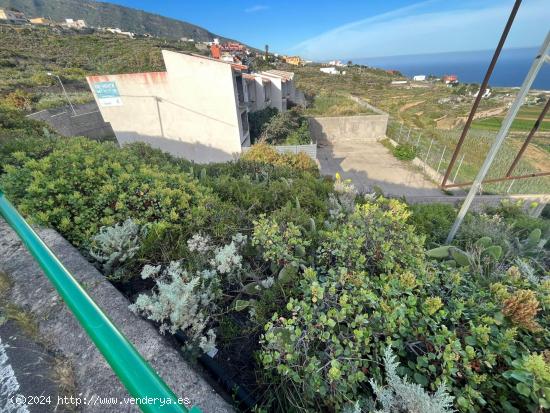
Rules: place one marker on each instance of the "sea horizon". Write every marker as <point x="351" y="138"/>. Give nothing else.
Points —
<point x="470" y="66"/>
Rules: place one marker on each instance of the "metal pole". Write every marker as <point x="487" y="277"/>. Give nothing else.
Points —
<point x="418" y="140"/>
<point x="409" y="135"/>
<point x="482" y="90"/>
<point x="532" y="132"/>
<point x="495" y="180"/>
<point x="441" y="159"/>
<point x="66" y="95"/>
<point x="539" y="60"/>
<point x="510" y="187"/>
<point x="134" y="372"/>
<point x="459" y="165"/>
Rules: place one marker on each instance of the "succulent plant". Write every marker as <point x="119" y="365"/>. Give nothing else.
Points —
<point x="454" y="256"/>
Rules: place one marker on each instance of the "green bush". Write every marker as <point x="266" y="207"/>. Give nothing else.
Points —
<point x="19" y="99"/>
<point x="20" y="135"/>
<point x="257" y="121"/>
<point x="433" y="221"/>
<point x="404" y="152"/>
<point x="286" y="128"/>
<point x="332" y="278"/>
<point x="263" y="153"/>
<point x="370" y="286"/>
<point x="83" y="185"/>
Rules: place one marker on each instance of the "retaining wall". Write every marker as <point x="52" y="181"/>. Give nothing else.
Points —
<point x="87" y="121"/>
<point x="326" y="129"/>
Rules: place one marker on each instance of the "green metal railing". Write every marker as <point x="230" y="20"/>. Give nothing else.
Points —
<point x="141" y="381"/>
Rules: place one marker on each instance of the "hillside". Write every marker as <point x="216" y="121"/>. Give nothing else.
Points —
<point x="28" y="54"/>
<point x="111" y="15"/>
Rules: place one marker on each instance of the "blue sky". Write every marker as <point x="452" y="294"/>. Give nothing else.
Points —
<point x="326" y="29"/>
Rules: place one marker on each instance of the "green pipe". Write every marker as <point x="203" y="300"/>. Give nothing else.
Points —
<point x="134" y="372"/>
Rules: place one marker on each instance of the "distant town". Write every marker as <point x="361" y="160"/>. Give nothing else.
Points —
<point x="229" y="51"/>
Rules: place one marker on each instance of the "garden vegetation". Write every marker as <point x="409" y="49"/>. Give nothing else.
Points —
<point x="318" y="297"/>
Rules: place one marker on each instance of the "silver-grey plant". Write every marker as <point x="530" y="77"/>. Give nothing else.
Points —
<point x="113" y="246"/>
<point x="399" y="395"/>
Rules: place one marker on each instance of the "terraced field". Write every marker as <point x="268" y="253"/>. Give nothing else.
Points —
<point x="431" y="116"/>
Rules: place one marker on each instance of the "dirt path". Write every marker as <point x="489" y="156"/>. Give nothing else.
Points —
<point x="410" y="105"/>
<point x="447" y="123"/>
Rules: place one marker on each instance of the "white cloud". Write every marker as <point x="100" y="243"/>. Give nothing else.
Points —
<point x="417" y="29"/>
<point x="256" y="8"/>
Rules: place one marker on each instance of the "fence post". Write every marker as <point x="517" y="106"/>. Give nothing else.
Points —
<point x="418" y="140"/>
<point x="441" y="159"/>
<point x="458" y="169"/>
<point x="409" y="135"/>
<point x="428" y="153"/>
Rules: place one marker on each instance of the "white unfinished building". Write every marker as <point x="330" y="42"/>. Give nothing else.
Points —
<point x="197" y="109"/>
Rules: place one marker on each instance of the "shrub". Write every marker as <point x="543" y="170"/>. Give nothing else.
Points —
<point x="181" y="301"/>
<point x="402" y="396"/>
<point x="84" y="185"/>
<point x="433" y="220"/>
<point x="20" y="135"/>
<point x="257" y="121"/>
<point x="286" y="128"/>
<point x="114" y="246"/>
<point x="19" y="99"/>
<point x="42" y="79"/>
<point x="265" y="154"/>
<point x="367" y="286"/>
<point x="404" y="152"/>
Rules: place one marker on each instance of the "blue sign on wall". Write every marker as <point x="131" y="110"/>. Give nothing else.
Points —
<point x="107" y="94"/>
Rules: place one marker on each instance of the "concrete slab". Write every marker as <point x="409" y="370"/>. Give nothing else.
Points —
<point x="369" y="164"/>
<point x="27" y="373"/>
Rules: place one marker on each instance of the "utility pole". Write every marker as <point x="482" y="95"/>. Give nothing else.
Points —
<point x="64" y="91"/>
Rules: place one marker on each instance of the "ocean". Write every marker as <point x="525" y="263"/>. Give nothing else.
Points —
<point x="470" y="67"/>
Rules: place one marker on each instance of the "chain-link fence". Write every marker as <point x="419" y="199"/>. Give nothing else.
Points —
<point x="435" y="148"/>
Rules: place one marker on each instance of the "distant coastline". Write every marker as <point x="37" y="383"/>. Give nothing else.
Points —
<point x="470" y="67"/>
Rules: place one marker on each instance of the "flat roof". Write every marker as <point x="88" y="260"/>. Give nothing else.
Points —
<point x="234" y="65"/>
<point x="280" y="73"/>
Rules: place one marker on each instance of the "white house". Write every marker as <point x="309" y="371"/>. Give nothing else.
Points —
<point x="337" y="63"/>
<point x="419" y="78"/>
<point x="75" y="24"/>
<point x="196" y="109"/>
<point x="329" y="70"/>
<point x="259" y="91"/>
<point x="282" y="88"/>
<point x="116" y="30"/>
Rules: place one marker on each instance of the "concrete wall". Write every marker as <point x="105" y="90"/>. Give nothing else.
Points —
<point x="191" y="110"/>
<point x="87" y="122"/>
<point x="256" y="90"/>
<point x="346" y="128"/>
<point x="276" y="87"/>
